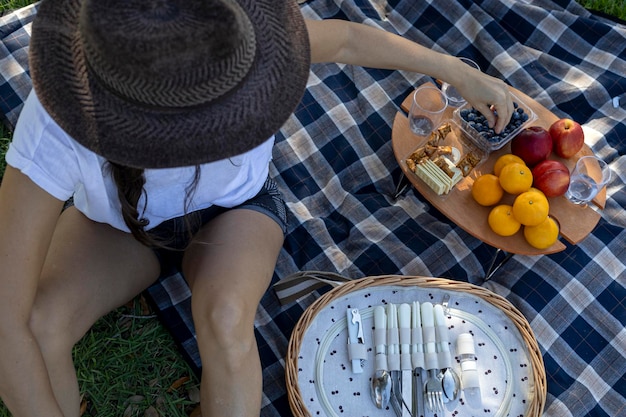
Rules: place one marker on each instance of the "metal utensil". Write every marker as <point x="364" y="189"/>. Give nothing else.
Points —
<point x="356" y="342"/>
<point x="381" y="388"/>
<point x="381" y="381"/>
<point x="450" y="381"/>
<point x="404" y="321"/>
<point x="451" y="385"/>
<point x="393" y="357"/>
<point x="417" y="356"/>
<point x="433" y="392"/>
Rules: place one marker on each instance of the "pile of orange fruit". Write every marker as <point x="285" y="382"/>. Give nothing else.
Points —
<point x="529" y="210"/>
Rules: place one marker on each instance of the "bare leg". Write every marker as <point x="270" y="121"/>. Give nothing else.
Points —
<point x="90" y="270"/>
<point x="229" y="267"/>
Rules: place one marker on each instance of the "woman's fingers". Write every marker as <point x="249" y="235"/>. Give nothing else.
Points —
<point x="498" y="113"/>
<point x="504" y="112"/>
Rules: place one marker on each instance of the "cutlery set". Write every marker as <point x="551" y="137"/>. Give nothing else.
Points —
<point x="413" y="362"/>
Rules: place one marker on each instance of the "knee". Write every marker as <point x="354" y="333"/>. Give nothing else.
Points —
<point x="224" y="326"/>
<point x="52" y="328"/>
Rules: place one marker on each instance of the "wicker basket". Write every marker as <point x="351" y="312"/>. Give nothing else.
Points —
<point x="537" y="402"/>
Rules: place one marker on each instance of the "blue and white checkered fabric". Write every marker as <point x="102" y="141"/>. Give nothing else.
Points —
<point x="15" y="82"/>
<point x="334" y="164"/>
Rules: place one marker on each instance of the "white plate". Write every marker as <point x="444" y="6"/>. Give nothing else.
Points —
<point x="329" y="388"/>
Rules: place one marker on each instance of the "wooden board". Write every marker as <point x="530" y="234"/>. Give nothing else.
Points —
<point x="575" y="222"/>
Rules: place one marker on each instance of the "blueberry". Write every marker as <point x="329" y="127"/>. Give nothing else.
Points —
<point x="478" y="122"/>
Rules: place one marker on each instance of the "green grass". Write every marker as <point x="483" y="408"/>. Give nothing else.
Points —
<point x="615" y="8"/>
<point x="14" y="4"/>
<point x="128" y="364"/>
<point x="4" y="147"/>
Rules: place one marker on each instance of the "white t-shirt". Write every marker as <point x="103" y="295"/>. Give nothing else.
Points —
<point x="57" y="163"/>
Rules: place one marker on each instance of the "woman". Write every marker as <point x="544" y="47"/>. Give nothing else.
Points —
<point x="155" y="117"/>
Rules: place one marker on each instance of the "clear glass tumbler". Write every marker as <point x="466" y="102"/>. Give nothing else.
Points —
<point x="587" y="178"/>
<point x="427" y="109"/>
<point x="455" y="99"/>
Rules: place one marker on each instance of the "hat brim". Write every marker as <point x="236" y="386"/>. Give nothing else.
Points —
<point x="139" y="136"/>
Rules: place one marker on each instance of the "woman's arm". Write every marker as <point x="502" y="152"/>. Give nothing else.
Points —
<point x="28" y="216"/>
<point x="358" y="44"/>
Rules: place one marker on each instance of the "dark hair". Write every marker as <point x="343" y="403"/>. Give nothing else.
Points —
<point x="130" y="187"/>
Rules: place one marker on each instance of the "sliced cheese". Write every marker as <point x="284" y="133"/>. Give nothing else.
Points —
<point x="436" y="178"/>
<point x="424" y="173"/>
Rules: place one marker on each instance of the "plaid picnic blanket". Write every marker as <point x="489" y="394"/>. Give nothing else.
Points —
<point x="334" y="164"/>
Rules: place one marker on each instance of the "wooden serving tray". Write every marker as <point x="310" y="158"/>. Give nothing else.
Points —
<point x="575" y="222"/>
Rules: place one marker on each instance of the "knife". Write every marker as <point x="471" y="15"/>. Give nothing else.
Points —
<point x="417" y="353"/>
<point x="393" y="355"/>
<point x="404" y="320"/>
<point x="441" y="332"/>
<point x="417" y="345"/>
<point x="428" y="335"/>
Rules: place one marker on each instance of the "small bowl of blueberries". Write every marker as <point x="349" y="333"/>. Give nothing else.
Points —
<point x="479" y="132"/>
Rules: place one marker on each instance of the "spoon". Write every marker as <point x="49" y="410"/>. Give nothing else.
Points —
<point x="381" y="388"/>
<point x="381" y="381"/>
<point x="450" y="381"/>
<point x="451" y="384"/>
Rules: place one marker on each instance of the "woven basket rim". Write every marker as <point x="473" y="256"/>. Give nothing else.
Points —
<point x="296" y="403"/>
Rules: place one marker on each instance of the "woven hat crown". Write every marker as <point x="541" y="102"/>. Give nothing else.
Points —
<point x="167" y="83"/>
<point x="167" y="53"/>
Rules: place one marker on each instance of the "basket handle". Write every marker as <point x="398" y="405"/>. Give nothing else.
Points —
<point x="301" y="283"/>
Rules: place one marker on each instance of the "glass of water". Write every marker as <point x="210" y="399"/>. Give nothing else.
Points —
<point x="427" y="109"/>
<point x="588" y="177"/>
<point x="455" y="99"/>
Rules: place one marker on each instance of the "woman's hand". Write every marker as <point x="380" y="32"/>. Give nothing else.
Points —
<point x="357" y="44"/>
<point x="489" y="95"/>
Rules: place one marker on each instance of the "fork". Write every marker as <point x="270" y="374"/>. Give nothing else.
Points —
<point x="433" y="390"/>
<point x="433" y="393"/>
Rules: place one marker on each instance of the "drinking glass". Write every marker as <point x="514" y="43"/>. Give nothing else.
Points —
<point x="427" y="109"/>
<point x="588" y="177"/>
<point x="455" y="99"/>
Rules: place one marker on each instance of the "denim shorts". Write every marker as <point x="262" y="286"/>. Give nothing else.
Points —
<point x="177" y="232"/>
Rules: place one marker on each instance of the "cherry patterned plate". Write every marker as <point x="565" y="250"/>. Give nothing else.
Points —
<point x="330" y="388"/>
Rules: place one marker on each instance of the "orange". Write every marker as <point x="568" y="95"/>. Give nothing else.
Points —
<point x="531" y="208"/>
<point x="537" y="190"/>
<point x="543" y="235"/>
<point x="516" y="178"/>
<point x="502" y="221"/>
<point x="486" y="190"/>
<point x="506" y="159"/>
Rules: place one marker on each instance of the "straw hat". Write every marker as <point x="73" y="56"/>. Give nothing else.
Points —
<point x="166" y="83"/>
